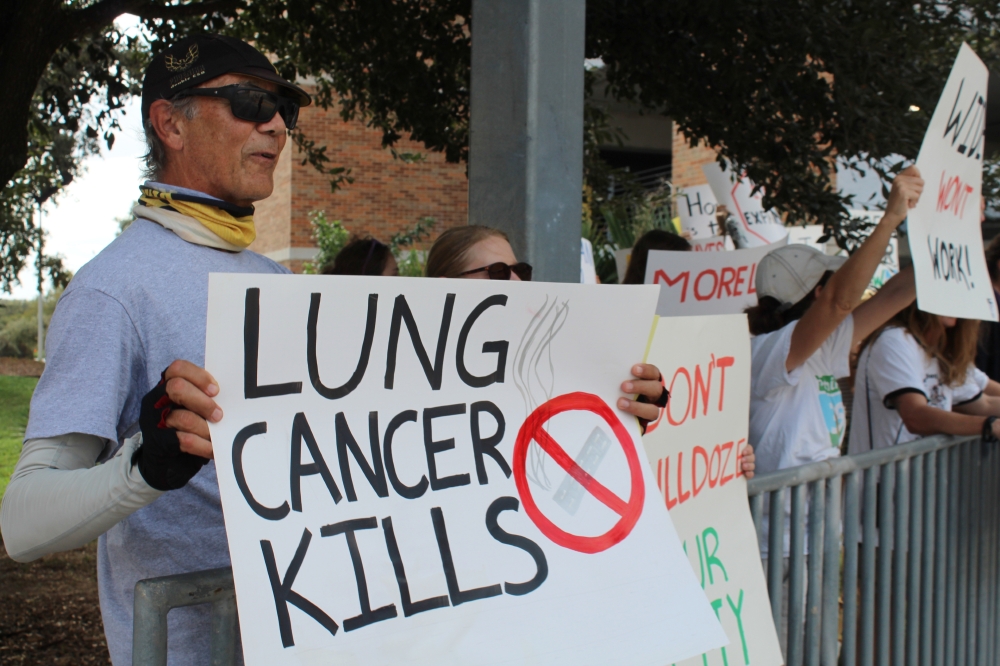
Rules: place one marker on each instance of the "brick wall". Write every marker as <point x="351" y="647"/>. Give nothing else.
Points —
<point x="687" y="161"/>
<point x="387" y="195"/>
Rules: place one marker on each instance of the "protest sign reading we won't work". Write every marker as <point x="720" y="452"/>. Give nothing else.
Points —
<point x="694" y="450"/>
<point x="434" y="472"/>
<point x="944" y="229"/>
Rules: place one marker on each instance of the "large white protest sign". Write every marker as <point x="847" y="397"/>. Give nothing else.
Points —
<point x="757" y="226"/>
<point x="434" y="472"/>
<point x="696" y="208"/>
<point x="944" y="228"/>
<point x="694" y="449"/>
<point x="702" y="283"/>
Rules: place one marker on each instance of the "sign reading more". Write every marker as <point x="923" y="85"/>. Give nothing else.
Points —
<point x="944" y="228"/>
<point x="700" y="283"/>
<point x="694" y="448"/>
<point x="434" y="472"/>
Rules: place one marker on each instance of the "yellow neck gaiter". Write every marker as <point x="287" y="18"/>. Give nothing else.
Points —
<point x="231" y="223"/>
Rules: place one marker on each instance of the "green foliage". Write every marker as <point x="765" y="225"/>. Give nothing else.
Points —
<point x="330" y="237"/>
<point x="15" y="396"/>
<point x="19" y="324"/>
<point x="991" y="181"/>
<point x="410" y="261"/>
<point x="782" y="88"/>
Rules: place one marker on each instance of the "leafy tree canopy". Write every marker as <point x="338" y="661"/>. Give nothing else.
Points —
<point x="780" y="87"/>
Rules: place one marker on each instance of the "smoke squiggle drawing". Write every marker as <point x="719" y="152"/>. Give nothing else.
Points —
<point x="534" y="372"/>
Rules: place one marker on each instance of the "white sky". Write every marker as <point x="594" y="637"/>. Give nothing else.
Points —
<point x="82" y="219"/>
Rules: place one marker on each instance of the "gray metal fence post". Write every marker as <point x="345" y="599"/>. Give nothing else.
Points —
<point x="852" y="517"/>
<point x="899" y="562"/>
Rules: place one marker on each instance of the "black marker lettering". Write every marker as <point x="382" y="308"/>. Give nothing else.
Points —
<point x="498" y="347"/>
<point x="283" y="594"/>
<point x="434" y="447"/>
<point x="403" y="490"/>
<point x="401" y="313"/>
<point x="375" y="473"/>
<point x="366" y="350"/>
<point x="367" y="616"/>
<point x="487" y="445"/>
<point x="409" y="607"/>
<point x="300" y="431"/>
<point x="498" y="506"/>
<point x="241" y="480"/>
<point x="251" y="343"/>
<point x="458" y="595"/>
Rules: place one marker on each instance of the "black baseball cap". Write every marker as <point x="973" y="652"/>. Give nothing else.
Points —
<point x="199" y="58"/>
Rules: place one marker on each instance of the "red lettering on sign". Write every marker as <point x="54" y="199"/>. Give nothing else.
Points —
<point x="722" y="363"/>
<point x="953" y="194"/>
<point x="687" y="377"/>
<point x="728" y="448"/>
<point x="695" y="454"/>
<point x="697" y="283"/>
<point x="703" y="387"/>
<point x="739" y="280"/>
<point x="661" y="276"/>
<point x="751" y="285"/>
<point x="715" y="462"/>
<point x="681" y="495"/>
<point x="739" y="456"/>
<point x="728" y="275"/>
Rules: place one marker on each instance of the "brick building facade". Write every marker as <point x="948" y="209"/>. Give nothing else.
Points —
<point x="387" y="195"/>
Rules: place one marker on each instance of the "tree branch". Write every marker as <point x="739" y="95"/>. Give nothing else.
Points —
<point x="151" y="10"/>
<point x="101" y="14"/>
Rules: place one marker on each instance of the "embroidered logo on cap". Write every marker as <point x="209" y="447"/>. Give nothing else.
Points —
<point x="180" y="64"/>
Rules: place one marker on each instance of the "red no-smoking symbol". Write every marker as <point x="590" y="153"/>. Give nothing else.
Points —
<point x="533" y="429"/>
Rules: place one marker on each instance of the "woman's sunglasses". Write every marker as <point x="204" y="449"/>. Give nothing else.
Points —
<point x="253" y="104"/>
<point x="501" y="271"/>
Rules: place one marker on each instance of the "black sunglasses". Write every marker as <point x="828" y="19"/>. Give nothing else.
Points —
<point x="253" y="104"/>
<point x="501" y="271"/>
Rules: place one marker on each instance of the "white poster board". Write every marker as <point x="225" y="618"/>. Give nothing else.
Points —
<point x="704" y="283"/>
<point x="694" y="449"/>
<point x="944" y="228"/>
<point x="807" y="234"/>
<point x="588" y="271"/>
<point x="758" y="226"/>
<point x="433" y="472"/>
<point x="712" y="244"/>
<point x="622" y="258"/>
<point x="696" y="208"/>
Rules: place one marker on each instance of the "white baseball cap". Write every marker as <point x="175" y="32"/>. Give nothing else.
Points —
<point x="790" y="272"/>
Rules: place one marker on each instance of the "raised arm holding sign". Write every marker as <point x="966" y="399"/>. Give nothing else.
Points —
<point x="946" y="239"/>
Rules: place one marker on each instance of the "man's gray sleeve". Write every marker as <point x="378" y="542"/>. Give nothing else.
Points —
<point x="58" y="499"/>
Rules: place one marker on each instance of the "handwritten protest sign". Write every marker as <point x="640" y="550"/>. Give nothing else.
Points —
<point x="588" y="271"/>
<point x="696" y="208"/>
<point x="944" y="228"/>
<point x="622" y="258"/>
<point x="693" y="449"/>
<point x="433" y="472"/>
<point x="756" y="225"/>
<point x="702" y="283"/>
<point x="712" y="244"/>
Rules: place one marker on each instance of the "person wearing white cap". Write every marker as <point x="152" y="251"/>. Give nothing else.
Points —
<point x="808" y="318"/>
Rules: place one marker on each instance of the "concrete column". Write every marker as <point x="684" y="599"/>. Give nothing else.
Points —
<point x="526" y="129"/>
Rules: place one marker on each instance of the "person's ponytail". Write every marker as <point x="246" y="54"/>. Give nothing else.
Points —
<point x="765" y="317"/>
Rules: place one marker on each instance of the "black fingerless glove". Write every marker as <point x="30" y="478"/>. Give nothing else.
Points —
<point x="161" y="462"/>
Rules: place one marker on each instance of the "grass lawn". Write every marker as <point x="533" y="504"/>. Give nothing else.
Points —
<point x="15" y="394"/>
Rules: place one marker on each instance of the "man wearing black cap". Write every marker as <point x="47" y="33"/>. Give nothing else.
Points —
<point x="215" y="113"/>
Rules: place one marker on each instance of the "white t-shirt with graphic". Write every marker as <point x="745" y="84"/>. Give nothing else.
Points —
<point x="797" y="417"/>
<point x="894" y="364"/>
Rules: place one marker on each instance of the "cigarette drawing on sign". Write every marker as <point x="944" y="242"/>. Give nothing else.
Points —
<point x="944" y="228"/>
<point x="374" y="467"/>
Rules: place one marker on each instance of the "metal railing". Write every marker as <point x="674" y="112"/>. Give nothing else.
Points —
<point x="903" y="570"/>
<point x="901" y="566"/>
<point x="155" y="597"/>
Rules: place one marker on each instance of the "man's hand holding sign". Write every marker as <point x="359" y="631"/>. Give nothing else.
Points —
<point x="450" y="482"/>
